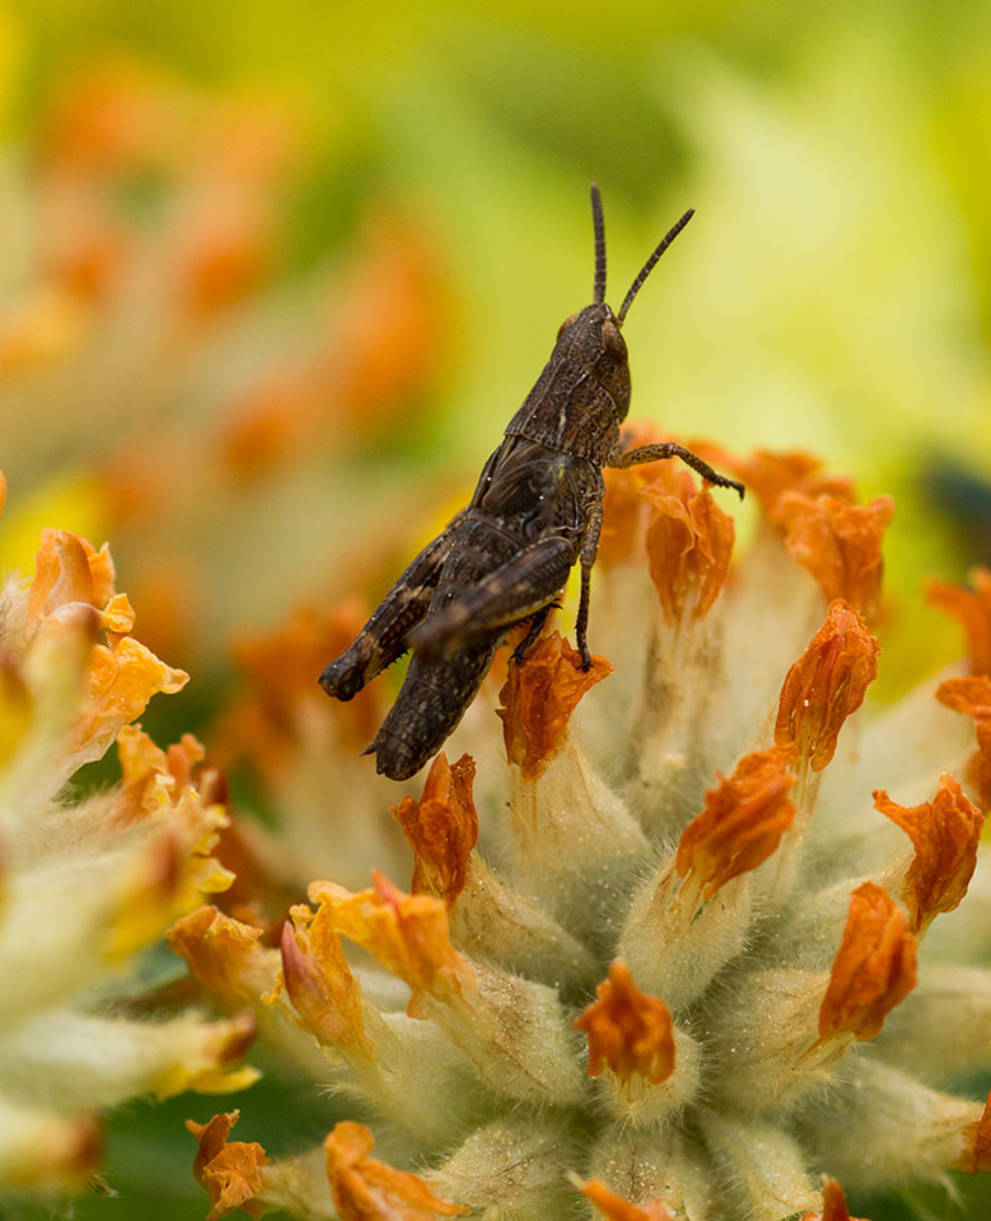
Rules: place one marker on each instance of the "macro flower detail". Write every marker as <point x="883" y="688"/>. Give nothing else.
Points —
<point x="681" y="862"/>
<point x="627" y="1030"/>
<point x="91" y="880"/>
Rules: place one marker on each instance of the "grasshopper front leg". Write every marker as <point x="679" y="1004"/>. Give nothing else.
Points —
<point x="383" y="639"/>
<point x="668" y="449"/>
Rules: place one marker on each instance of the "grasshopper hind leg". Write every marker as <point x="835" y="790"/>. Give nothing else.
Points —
<point x="433" y="698"/>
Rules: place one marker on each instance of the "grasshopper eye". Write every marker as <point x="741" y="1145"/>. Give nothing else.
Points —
<point x="565" y="324"/>
<point x="612" y="340"/>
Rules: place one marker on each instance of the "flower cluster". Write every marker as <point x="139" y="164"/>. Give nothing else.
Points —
<point x="701" y="958"/>
<point x="86" y="883"/>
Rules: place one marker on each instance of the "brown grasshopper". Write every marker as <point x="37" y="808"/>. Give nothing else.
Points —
<point x="504" y="559"/>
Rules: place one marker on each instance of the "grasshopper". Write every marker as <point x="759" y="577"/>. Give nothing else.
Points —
<point x="503" y="560"/>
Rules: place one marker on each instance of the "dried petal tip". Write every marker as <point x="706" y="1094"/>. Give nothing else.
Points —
<point x="742" y="822"/>
<point x="442" y="828"/>
<point x="628" y="1030"/>
<point x="365" y="1188"/>
<point x="224" y="955"/>
<point x="839" y="544"/>
<point x="973" y="608"/>
<point x="230" y="1172"/>
<point x="976" y="1158"/>
<point x="833" y="1205"/>
<point x="972" y="696"/>
<point x="408" y="934"/>
<point x="319" y="981"/>
<point x="826" y="685"/>
<point x="689" y="545"/>
<point x="874" y="969"/>
<point x="615" y="1208"/>
<point x="538" y="699"/>
<point x="945" y="833"/>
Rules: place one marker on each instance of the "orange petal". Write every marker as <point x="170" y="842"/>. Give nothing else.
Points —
<point x="281" y="669"/>
<point x="442" y="828"/>
<point x="945" y="833"/>
<point x="3" y="490"/>
<point x="615" y="1208"/>
<point x="874" y="969"/>
<point x="120" y="681"/>
<point x="689" y="544"/>
<point x="742" y="822"/>
<point x="833" y="1205"/>
<point x="976" y="1158"/>
<point x="538" y="699"/>
<point x="152" y="777"/>
<point x="973" y="697"/>
<point x="825" y="685"/>
<point x="319" y="981"/>
<point x="624" y="509"/>
<point x="69" y="569"/>
<point x="973" y="608"/>
<point x="230" y="1172"/>
<point x="628" y="1030"/>
<point x="769" y="475"/>
<point x="839" y="544"/>
<point x="224" y="955"/>
<point x="408" y="934"/>
<point x="365" y="1189"/>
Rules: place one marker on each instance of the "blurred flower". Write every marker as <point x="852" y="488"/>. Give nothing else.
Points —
<point x="154" y="325"/>
<point x="89" y="881"/>
<point x="694" y="959"/>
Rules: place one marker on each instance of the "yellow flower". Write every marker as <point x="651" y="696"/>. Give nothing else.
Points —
<point x="88" y="882"/>
<point x="695" y="834"/>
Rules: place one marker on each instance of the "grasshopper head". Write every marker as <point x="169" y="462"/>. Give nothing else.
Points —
<point x="594" y="341"/>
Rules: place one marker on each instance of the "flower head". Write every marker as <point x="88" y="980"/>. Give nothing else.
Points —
<point x="665" y="932"/>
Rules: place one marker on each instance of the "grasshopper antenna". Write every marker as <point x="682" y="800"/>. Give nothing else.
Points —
<point x="599" y="294"/>
<point x="648" y="267"/>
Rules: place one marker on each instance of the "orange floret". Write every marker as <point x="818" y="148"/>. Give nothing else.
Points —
<point x="769" y="475"/>
<point x="874" y="968"/>
<point x="69" y="569"/>
<point x="976" y="1158"/>
<point x="121" y="679"/>
<point x="742" y="822"/>
<point x="689" y="545"/>
<point x="230" y="1172"/>
<point x="319" y="981"/>
<point x="833" y="1205"/>
<point x="628" y="1030"/>
<point x="282" y="669"/>
<point x="365" y="1189"/>
<point x="152" y="777"/>
<point x="839" y="544"/>
<point x="442" y="828"/>
<point x="538" y="699"/>
<point x="973" y="697"/>
<point x="615" y="1208"/>
<point x="408" y="934"/>
<point x="973" y="608"/>
<point x="826" y="685"/>
<point x="226" y="956"/>
<point x="623" y="506"/>
<point x="945" y="833"/>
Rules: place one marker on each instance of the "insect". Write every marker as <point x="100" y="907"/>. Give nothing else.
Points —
<point x="503" y="560"/>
